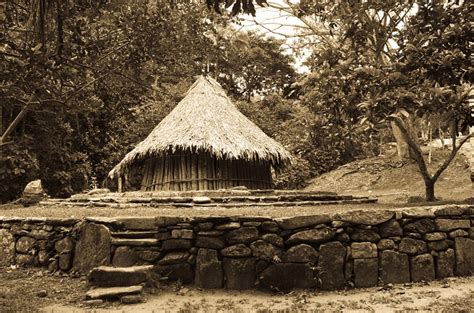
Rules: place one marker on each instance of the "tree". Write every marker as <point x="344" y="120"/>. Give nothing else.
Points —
<point x="434" y="74"/>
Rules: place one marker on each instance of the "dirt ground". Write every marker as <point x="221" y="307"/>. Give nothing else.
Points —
<point x="392" y="181"/>
<point x="21" y="292"/>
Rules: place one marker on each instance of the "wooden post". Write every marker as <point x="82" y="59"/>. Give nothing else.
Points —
<point x="119" y="183"/>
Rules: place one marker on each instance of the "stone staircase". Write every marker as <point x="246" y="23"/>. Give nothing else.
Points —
<point x="118" y="283"/>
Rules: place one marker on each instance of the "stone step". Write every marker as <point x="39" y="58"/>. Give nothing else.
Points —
<point x="134" y="234"/>
<point x="138" y="242"/>
<point x="108" y="276"/>
<point x="113" y="292"/>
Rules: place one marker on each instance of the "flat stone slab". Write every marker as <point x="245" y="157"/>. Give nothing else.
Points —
<point x="143" y="242"/>
<point x="107" y="276"/>
<point x="303" y="221"/>
<point x="365" y="217"/>
<point x="113" y="292"/>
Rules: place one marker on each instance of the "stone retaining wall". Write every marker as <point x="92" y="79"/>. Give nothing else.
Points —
<point x="358" y="248"/>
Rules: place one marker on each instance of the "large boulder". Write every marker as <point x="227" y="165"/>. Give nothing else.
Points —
<point x="312" y="236"/>
<point x="365" y="217"/>
<point x="301" y="253"/>
<point x="33" y="193"/>
<point x="395" y="267"/>
<point x="287" y="276"/>
<point x="331" y="264"/>
<point x="7" y="247"/>
<point x="93" y="248"/>
<point x="265" y="250"/>
<point x="209" y="274"/>
<point x="464" y="248"/>
<point x="240" y="274"/>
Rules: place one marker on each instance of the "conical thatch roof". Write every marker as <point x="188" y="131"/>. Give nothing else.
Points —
<point x="206" y="120"/>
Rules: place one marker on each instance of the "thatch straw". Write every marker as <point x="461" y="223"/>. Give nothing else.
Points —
<point x="206" y="120"/>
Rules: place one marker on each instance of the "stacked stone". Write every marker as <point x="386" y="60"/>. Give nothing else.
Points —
<point x="358" y="248"/>
<point x="37" y="242"/>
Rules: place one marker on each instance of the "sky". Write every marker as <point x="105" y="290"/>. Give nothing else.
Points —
<point x="276" y="23"/>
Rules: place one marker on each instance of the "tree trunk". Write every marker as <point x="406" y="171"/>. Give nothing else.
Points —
<point x="429" y="190"/>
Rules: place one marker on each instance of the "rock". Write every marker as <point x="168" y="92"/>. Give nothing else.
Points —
<point x="435" y="236"/>
<point x="386" y="244"/>
<point x="471" y="232"/>
<point x="213" y="233"/>
<point x="175" y="244"/>
<point x="449" y="211"/>
<point x="236" y="251"/>
<point x="205" y="226"/>
<point x="253" y="224"/>
<point x="208" y="272"/>
<point x="137" y="223"/>
<point x="458" y="233"/>
<point x="366" y="272"/>
<point x="422" y="267"/>
<point x="65" y="261"/>
<point x="395" y="267"/>
<point x="98" y="191"/>
<point x="301" y="253"/>
<point x="25" y="244"/>
<point x="42" y="293"/>
<point x="412" y="246"/>
<point x="25" y="259"/>
<point x="95" y="302"/>
<point x="339" y="224"/>
<point x="365" y="217"/>
<point x="174" y="257"/>
<point x="228" y="226"/>
<point x="349" y="270"/>
<point x="274" y="239"/>
<point x="40" y="234"/>
<point x="113" y="292"/>
<point x="331" y="265"/>
<point x="124" y="256"/>
<point x="363" y="250"/>
<point x="287" y="276"/>
<point x="182" y="234"/>
<point x="64" y="245"/>
<point x="312" y="236"/>
<point x="106" y="276"/>
<point x="174" y="272"/>
<point x="448" y="224"/>
<point x="418" y="213"/>
<point x="445" y="262"/>
<point x="421" y="226"/>
<point x="464" y="249"/>
<point x="390" y="229"/>
<point x="242" y="235"/>
<point x="148" y="255"/>
<point x="343" y="237"/>
<point x="240" y="274"/>
<point x="303" y="221"/>
<point x="33" y="193"/>
<point x="201" y="200"/>
<point x="270" y="226"/>
<point x="132" y="299"/>
<point x="265" y="251"/>
<point x="362" y="235"/>
<point x="43" y="257"/>
<point x="209" y="242"/>
<point x="7" y="248"/>
<point x="414" y="235"/>
<point x="93" y="248"/>
<point x="53" y="266"/>
<point x="439" y="245"/>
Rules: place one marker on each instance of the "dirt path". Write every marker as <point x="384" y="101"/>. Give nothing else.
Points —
<point x="454" y="294"/>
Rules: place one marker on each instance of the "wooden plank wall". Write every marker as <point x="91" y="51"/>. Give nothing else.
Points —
<point x="201" y="171"/>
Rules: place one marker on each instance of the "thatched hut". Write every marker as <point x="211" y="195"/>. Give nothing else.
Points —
<point x="205" y="143"/>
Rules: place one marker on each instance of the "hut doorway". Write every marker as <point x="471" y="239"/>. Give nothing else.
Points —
<point x="182" y="171"/>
